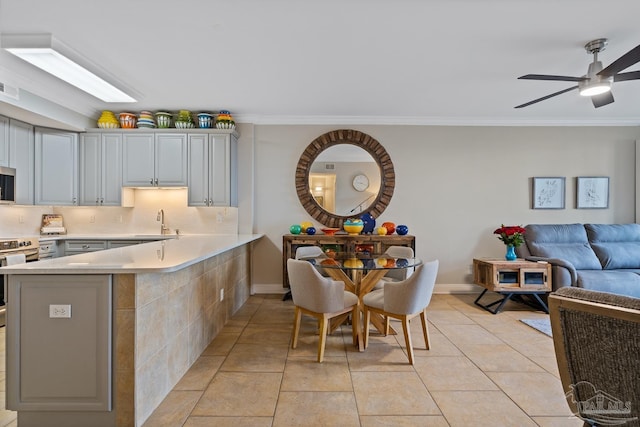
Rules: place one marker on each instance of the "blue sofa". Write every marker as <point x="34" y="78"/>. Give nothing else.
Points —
<point x="600" y="257"/>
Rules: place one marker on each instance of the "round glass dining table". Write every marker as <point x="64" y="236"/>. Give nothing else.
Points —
<point x="360" y="272"/>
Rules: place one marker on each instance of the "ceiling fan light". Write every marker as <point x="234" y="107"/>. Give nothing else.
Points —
<point x="595" y="90"/>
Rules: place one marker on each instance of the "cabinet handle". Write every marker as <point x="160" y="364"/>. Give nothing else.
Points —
<point x="151" y="181"/>
<point x="206" y="202"/>
<point x="101" y="201"/>
<point x="74" y="201"/>
<point x="85" y="246"/>
<point x="97" y="201"/>
<point x="156" y="181"/>
<point x="210" y="202"/>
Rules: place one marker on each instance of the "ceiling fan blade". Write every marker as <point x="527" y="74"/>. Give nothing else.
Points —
<point x="632" y="75"/>
<point x="624" y="62"/>
<point x="602" y="99"/>
<point x="550" y="77"/>
<point x="546" y="97"/>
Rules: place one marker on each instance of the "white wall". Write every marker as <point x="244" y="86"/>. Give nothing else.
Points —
<point x="454" y="185"/>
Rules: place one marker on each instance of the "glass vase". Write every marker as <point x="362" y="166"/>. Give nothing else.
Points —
<point x="511" y="253"/>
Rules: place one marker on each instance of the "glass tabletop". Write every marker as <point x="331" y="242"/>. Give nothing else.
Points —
<point x="363" y="261"/>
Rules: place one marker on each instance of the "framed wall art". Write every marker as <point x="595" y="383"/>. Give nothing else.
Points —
<point x="548" y="192"/>
<point x="592" y="192"/>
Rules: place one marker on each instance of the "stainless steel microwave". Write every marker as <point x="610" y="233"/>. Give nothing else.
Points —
<point x="7" y="185"/>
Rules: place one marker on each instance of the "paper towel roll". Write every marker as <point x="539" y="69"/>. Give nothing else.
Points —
<point x="15" y="259"/>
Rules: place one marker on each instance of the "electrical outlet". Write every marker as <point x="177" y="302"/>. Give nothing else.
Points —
<point x="92" y="219"/>
<point x="21" y="219"/>
<point x="219" y="217"/>
<point x="221" y="294"/>
<point x="60" y="311"/>
<point x="120" y="219"/>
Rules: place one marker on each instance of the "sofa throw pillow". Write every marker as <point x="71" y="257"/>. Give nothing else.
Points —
<point x="616" y="245"/>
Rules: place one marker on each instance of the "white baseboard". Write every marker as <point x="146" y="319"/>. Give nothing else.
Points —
<point x="441" y="288"/>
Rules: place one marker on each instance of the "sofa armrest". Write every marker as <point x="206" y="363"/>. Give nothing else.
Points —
<point x="563" y="272"/>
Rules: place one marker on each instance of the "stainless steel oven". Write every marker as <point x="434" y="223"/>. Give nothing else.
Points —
<point x="30" y="247"/>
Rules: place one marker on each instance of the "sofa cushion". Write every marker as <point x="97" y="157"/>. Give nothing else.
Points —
<point x="564" y="241"/>
<point x="612" y="281"/>
<point x="615" y="245"/>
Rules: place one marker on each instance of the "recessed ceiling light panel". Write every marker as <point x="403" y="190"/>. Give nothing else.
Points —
<point x="48" y="54"/>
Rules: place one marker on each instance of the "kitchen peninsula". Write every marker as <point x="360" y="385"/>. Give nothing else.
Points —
<point x="101" y="338"/>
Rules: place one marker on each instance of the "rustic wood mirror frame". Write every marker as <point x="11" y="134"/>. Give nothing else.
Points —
<point x="344" y="136"/>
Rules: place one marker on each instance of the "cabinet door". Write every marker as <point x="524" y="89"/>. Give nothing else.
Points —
<point x="56" y="168"/>
<point x="4" y="141"/>
<point x="111" y="154"/>
<point x="138" y="160"/>
<point x="171" y="160"/>
<point x="198" y="181"/>
<point x="222" y="173"/>
<point x="90" y="169"/>
<point x="21" y="157"/>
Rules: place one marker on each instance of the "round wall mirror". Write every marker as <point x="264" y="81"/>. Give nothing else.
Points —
<point x="342" y="174"/>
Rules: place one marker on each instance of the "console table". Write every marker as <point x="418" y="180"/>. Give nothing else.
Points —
<point x="512" y="279"/>
<point x="372" y="243"/>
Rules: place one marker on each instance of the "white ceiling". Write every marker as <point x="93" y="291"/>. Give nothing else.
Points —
<point x="337" y="61"/>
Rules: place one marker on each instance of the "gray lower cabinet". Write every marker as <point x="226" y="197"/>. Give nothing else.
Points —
<point x="74" y="247"/>
<point x="59" y="343"/>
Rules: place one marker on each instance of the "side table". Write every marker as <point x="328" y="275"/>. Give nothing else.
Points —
<point x="512" y="280"/>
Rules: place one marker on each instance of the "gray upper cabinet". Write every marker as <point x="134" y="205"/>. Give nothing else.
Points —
<point x="21" y="157"/>
<point x="4" y="141"/>
<point x="100" y="169"/>
<point x="212" y="170"/>
<point x="155" y="160"/>
<point x="56" y="167"/>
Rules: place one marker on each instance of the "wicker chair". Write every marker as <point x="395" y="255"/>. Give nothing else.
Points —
<point x="597" y="343"/>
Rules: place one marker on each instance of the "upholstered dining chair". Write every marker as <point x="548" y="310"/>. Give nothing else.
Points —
<point x="319" y="297"/>
<point x="596" y="336"/>
<point x="310" y="252"/>
<point x="404" y="300"/>
<point x="397" y="274"/>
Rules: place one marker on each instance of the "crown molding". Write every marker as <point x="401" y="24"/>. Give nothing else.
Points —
<point x="429" y="121"/>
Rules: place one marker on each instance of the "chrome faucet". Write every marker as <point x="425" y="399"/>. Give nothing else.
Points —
<point x="163" y="228"/>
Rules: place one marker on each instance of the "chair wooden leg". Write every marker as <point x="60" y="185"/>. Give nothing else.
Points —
<point x="425" y="328"/>
<point x="387" y="325"/>
<point x="407" y="338"/>
<point x="355" y="323"/>
<point x="296" y="327"/>
<point x="367" y="320"/>
<point x="324" y="326"/>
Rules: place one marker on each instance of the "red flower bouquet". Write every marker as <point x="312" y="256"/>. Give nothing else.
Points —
<point x="511" y="235"/>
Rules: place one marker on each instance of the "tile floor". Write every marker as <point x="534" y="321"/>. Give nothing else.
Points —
<point x="482" y="370"/>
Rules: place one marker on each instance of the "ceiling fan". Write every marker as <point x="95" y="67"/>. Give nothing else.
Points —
<point x="597" y="82"/>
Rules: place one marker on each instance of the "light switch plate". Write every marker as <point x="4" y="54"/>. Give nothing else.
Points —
<point x="59" y="311"/>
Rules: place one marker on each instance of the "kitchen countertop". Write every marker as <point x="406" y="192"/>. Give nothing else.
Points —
<point x="171" y="254"/>
<point x="149" y="236"/>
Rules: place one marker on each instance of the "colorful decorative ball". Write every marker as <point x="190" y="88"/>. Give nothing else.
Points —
<point x="381" y="231"/>
<point x="311" y="231"/>
<point x="304" y="225"/>
<point x="390" y="226"/>
<point x="369" y="223"/>
<point x="402" y="229"/>
<point x="295" y="229"/>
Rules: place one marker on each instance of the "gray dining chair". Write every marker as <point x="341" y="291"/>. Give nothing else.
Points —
<point x="319" y="297"/>
<point x="404" y="300"/>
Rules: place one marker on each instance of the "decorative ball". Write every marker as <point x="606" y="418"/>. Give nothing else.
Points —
<point x="381" y="231"/>
<point x="390" y="226"/>
<point x="304" y="225"/>
<point x="311" y="231"/>
<point x="402" y="230"/>
<point x="369" y="223"/>
<point x="295" y="229"/>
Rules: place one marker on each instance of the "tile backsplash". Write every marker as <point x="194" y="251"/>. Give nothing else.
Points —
<point x="19" y="220"/>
